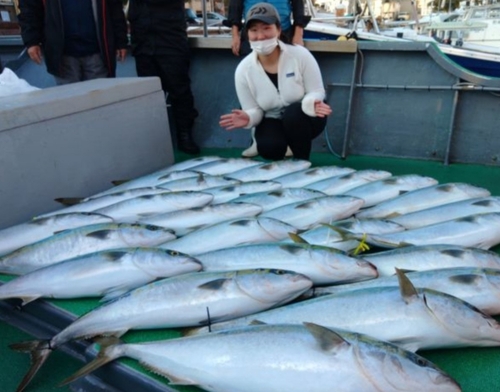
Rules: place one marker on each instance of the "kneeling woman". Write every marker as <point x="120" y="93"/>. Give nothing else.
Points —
<point x="280" y="90"/>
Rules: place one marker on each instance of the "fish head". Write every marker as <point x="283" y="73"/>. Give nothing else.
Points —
<point x="335" y="265"/>
<point x="461" y="319"/>
<point x="275" y="228"/>
<point x="390" y="367"/>
<point x="272" y="286"/>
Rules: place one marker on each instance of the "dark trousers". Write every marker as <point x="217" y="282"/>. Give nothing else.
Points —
<point x="295" y="129"/>
<point x="173" y="71"/>
<point x="78" y="69"/>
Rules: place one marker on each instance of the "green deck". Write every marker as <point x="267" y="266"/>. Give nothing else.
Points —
<point x="476" y="369"/>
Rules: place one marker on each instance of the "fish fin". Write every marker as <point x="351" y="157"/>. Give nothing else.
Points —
<point x="119" y="182"/>
<point x="407" y="344"/>
<point x="257" y="322"/>
<point x="326" y="338"/>
<point x="102" y="358"/>
<point x="113" y="293"/>
<point x="39" y="351"/>
<point x="392" y="215"/>
<point x="408" y="291"/>
<point x="191" y="331"/>
<point x="297" y="238"/>
<point x="174" y="380"/>
<point x="69" y="201"/>
<point x="99" y="234"/>
<point x="344" y="234"/>
<point x="27" y="300"/>
<point x="215" y="284"/>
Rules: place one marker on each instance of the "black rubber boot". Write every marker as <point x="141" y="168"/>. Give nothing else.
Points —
<point x="185" y="143"/>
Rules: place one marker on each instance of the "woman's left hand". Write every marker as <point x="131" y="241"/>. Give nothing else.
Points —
<point x="322" y="109"/>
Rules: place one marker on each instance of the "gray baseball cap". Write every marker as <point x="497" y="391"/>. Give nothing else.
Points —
<point x="263" y="12"/>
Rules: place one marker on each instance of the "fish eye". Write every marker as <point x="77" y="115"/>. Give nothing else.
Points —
<point x="173" y="253"/>
<point x="152" y="227"/>
<point x="278" y="272"/>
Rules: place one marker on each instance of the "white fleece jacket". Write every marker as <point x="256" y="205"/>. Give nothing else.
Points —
<point x="299" y="79"/>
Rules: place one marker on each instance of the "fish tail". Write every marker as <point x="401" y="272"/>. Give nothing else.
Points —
<point x="39" y="351"/>
<point x="104" y="356"/>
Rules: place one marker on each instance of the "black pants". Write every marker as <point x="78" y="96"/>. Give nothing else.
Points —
<point x="173" y="71"/>
<point x="295" y="129"/>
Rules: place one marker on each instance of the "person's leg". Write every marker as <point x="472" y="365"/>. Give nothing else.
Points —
<point x="270" y="137"/>
<point x="93" y="67"/>
<point x="71" y="71"/>
<point x="300" y="129"/>
<point x="174" y="72"/>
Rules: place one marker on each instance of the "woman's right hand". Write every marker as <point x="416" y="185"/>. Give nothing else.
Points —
<point x="236" y="119"/>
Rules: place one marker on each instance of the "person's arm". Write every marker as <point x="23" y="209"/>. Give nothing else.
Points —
<point x="244" y="92"/>
<point x="119" y="26"/>
<point x="235" y="17"/>
<point x="31" y="20"/>
<point x="313" y="85"/>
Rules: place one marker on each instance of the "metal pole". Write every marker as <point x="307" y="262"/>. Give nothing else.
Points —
<point x="204" y="15"/>
<point x="452" y="126"/>
<point x="343" y="154"/>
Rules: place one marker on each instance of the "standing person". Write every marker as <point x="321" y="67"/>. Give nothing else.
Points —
<point x="80" y="40"/>
<point x="287" y="9"/>
<point x="160" y="46"/>
<point x="280" y="90"/>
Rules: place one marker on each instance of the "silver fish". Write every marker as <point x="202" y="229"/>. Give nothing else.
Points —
<point x="151" y="180"/>
<point x="188" y="220"/>
<point x="307" y="214"/>
<point x="185" y="300"/>
<point x="199" y="183"/>
<point x="226" y="166"/>
<point x="274" y="199"/>
<point x="478" y="286"/>
<point x="409" y="317"/>
<point x="423" y="198"/>
<point x="428" y="257"/>
<point x="322" y="265"/>
<point x="223" y="194"/>
<point x="231" y="233"/>
<point x="77" y="242"/>
<point x="302" y="178"/>
<point x="378" y="191"/>
<point x="133" y="210"/>
<point x="39" y="228"/>
<point x="341" y="184"/>
<point x="477" y="231"/>
<point x="105" y="274"/>
<point x="91" y="204"/>
<point x="458" y="209"/>
<point x="269" y="171"/>
<point x="292" y="358"/>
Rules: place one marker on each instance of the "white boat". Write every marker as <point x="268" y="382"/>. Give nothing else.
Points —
<point x="478" y="28"/>
<point x="485" y="62"/>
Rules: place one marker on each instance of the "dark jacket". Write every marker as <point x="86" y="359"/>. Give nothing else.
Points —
<point x="158" y="27"/>
<point x="42" y="24"/>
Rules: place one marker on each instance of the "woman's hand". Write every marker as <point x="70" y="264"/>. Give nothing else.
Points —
<point x="322" y="109"/>
<point x="236" y="119"/>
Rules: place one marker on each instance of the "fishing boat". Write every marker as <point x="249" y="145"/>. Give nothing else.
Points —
<point x="399" y="106"/>
<point x="475" y="56"/>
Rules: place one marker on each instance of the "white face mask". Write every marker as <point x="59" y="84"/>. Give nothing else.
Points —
<point x="265" y="46"/>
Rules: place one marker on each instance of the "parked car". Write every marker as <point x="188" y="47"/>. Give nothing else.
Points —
<point x="213" y="18"/>
<point x="191" y="18"/>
